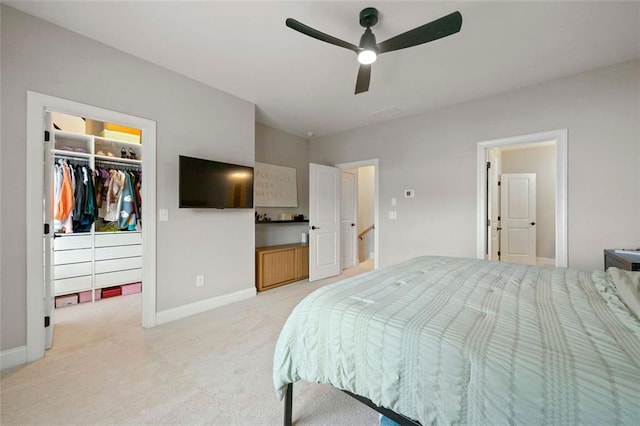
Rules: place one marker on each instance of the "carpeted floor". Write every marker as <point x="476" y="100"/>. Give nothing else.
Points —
<point x="211" y="369"/>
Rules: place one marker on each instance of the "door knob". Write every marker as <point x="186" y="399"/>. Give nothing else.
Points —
<point x="315" y="227"/>
<point x="533" y="223"/>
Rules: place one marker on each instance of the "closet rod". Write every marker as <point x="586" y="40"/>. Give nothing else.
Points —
<point x="71" y="158"/>
<point x="117" y="165"/>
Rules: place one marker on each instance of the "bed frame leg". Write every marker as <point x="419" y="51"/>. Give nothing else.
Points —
<point x="288" y="405"/>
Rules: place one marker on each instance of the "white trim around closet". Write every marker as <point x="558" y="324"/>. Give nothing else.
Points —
<point x="37" y="104"/>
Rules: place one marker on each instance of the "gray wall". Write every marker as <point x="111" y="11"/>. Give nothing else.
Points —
<point x="542" y="162"/>
<point x="435" y="154"/>
<point x="192" y="119"/>
<point x="283" y="149"/>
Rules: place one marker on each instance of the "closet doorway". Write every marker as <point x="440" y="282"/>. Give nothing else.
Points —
<point x="103" y="246"/>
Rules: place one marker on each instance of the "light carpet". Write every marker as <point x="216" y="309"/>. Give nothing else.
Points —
<point x="212" y="368"/>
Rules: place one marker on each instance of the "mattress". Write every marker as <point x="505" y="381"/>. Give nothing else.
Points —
<point x="451" y="340"/>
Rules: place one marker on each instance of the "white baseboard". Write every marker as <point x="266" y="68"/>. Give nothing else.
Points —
<point x="545" y="261"/>
<point x="13" y="357"/>
<point x="174" y="314"/>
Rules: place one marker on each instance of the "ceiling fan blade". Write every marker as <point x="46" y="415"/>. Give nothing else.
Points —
<point x="311" y="32"/>
<point x="434" y="30"/>
<point x="364" y="76"/>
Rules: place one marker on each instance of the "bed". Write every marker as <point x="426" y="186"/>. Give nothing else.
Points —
<point x="442" y="340"/>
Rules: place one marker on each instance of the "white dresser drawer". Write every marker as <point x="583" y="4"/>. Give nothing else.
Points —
<point x="72" y="241"/>
<point x="116" y="278"/>
<point x="118" y="239"/>
<point x="104" y="253"/>
<point x="112" y="265"/>
<point x="72" y="270"/>
<point x="72" y="285"/>
<point x="72" y="256"/>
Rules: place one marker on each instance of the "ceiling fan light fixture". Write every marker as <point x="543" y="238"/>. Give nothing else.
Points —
<point x="368" y="48"/>
<point x="367" y="57"/>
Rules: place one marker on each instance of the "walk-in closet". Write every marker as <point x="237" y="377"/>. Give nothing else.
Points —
<point x="95" y="202"/>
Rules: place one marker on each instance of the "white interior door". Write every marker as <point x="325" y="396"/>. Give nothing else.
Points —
<point x="324" y="221"/>
<point x="518" y="218"/>
<point x="47" y="236"/>
<point x="349" y="219"/>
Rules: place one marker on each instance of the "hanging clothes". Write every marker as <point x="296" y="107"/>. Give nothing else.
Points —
<point x="118" y="199"/>
<point x="127" y="206"/>
<point x="64" y="202"/>
<point x="74" y="200"/>
<point x="114" y="193"/>
<point x="91" y="209"/>
<point x="64" y="198"/>
<point x="84" y="212"/>
<point x="137" y="187"/>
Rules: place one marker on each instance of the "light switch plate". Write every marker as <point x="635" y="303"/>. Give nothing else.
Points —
<point x="163" y="215"/>
<point x="394" y="201"/>
<point x="393" y="214"/>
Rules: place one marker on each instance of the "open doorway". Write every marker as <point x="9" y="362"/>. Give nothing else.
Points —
<point x="508" y="173"/>
<point x="39" y="106"/>
<point x="521" y="198"/>
<point x="94" y="174"/>
<point x="325" y="245"/>
<point x="357" y="238"/>
<point x="359" y="217"/>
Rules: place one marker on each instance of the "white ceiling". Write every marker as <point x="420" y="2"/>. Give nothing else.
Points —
<point x="302" y="85"/>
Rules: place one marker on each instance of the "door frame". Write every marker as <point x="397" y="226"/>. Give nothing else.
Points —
<point x="376" y="218"/>
<point x="493" y="197"/>
<point x="560" y="138"/>
<point x="37" y="103"/>
<point x="354" y="207"/>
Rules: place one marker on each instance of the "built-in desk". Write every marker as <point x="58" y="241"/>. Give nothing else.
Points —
<point x="279" y="265"/>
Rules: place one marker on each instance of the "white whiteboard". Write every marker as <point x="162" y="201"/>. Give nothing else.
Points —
<point x="274" y="186"/>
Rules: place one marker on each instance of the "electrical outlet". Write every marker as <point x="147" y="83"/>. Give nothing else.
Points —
<point x="199" y="280"/>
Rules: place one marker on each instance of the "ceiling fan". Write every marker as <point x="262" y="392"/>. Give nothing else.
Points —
<point x="368" y="49"/>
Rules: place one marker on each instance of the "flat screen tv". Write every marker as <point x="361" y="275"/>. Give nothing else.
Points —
<point x="215" y="185"/>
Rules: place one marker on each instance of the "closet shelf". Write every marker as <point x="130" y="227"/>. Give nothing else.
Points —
<point x="117" y="159"/>
<point x="69" y="153"/>
<point x="115" y="142"/>
<point x="117" y="232"/>
<point x="282" y="221"/>
<point x="71" y="136"/>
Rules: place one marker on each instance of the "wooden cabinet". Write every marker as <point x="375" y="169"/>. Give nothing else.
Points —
<point x="278" y="265"/>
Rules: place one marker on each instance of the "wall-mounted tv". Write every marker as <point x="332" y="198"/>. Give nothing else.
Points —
<point x="212" y="184"/>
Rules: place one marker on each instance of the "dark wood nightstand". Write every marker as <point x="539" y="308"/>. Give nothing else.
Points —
<point x="619" y="259"/>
